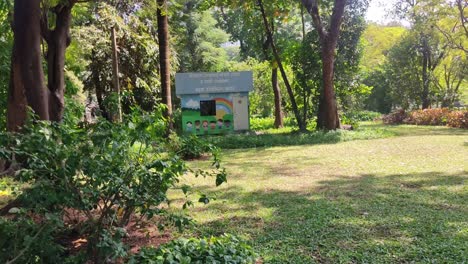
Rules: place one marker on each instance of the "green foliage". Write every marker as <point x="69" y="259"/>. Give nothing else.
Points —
<point x="138" y="56"/>
<point x="103" y="173"/>
<point x="363" y="115"/>
<point x="26" y="241"/>
<point x="377" y="40"/>
<point x="295" y="139"/>
<point x="191" y="146"/>
<point x="199" y="40"/>
<point x="258" y="123"/>
<point x="380" y="99"/>
<point x="6" y="45"/>
<point x="225" y="249"/>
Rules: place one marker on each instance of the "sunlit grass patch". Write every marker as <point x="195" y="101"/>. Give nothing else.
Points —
<point x="396" y="199"/>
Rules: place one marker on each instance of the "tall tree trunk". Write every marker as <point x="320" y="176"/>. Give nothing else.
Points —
<point x="57" y="40"/>
<point x="425" y="80"/>
<point x="164" y="58"/>
<point x="327" y="117"/>
<point x="27" y="86"/>
<point x="277" y="93"/>
<point x="295" y="109"/>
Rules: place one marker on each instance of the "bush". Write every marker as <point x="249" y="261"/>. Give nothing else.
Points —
<point x="363" y="115"/>
<point x="458" y="119"/>
<point x="428" y="117"/>
<point x="224" y="249"/>
<point x="191" y="147"/>
<point x="96" y="176"/>
<point x="264" y="123"/>
<point x="395" y="117"/>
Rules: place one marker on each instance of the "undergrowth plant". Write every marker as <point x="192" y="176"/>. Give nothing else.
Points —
<point x="224" y="249"/>
<point x="91" y="180"/>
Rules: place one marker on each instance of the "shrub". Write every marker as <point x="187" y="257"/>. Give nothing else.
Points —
<point x="264" y="123"/>
<point x="428" y="117"/>
<point x="100" y="175"/>
<point x="458" y="119"/>
<point x="395" y="117"/>
<point x="224" y="249"/>
<point x="191" y="147"/>
<point x="363" y="115"/>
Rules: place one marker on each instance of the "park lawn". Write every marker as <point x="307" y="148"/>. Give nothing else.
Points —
<point x="398" y="199"/>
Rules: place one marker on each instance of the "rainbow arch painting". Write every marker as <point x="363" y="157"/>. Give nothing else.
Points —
<point x="224" y="104"/>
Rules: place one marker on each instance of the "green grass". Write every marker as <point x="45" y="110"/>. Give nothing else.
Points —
<point x="402" y="198"/>
<point x="288" y="137"/>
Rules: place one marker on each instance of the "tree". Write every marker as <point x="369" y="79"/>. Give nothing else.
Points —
<point x="31" y="25"/>
<point x="237" y="19"/>
<point x="27" y="77"/>
<point x="328" y="112"/>
<point x="138" y="57"/>
<point x="164" y="57"/>
<point x="6" y="45"/>
<point x="271" y="43"/>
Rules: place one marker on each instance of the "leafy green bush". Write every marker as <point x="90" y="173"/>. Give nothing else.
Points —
<point x="224" y="249"/>
<point x="258" y="123"/>
<point x="26" y="241"/>
<point x="191" y="146"/>
<point x="363" y="115"/>
<point x="349" y="120"/>
<point x="103" y="173"/>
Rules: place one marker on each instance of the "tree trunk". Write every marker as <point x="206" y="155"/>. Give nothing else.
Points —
<point x="425" y="79"/>
<point x="117" y="115"/>
<point x="327" y="117"/>
<point x="164" y="58"/>
<point x="277" y="93"/>
<point x="27" y="86"/>
<point x="58" y="40"/>
<point x="295" y="109"/>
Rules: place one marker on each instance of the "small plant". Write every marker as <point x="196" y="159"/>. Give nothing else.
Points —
<point x="224" y="249"/>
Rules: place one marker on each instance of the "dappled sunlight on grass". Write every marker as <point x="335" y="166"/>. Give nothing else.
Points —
<point x="398" y="199"/>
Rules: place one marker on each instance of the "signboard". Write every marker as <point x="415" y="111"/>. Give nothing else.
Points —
<point x="214" y="82"/>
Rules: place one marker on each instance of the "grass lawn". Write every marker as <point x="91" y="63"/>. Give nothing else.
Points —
<point x="402" y="198"/>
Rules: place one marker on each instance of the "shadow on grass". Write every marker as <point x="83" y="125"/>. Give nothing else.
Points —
<point x="365" y="219"/>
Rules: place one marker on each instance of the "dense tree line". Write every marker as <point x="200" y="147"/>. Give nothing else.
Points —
<point x="306" y="55"/>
